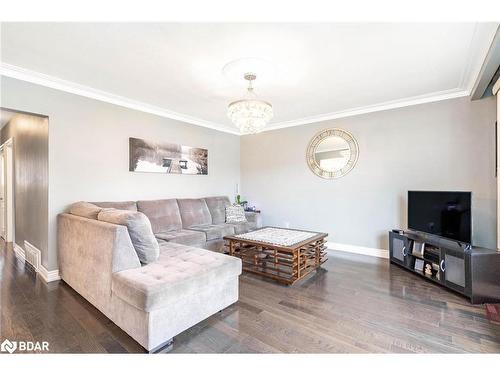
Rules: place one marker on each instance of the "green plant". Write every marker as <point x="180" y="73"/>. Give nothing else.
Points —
<point x="238" y="199"/>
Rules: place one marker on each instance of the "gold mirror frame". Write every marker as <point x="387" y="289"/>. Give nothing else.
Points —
<point x="317" y="139"/>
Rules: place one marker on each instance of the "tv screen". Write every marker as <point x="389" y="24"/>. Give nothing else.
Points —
<point x="442" y="213"/>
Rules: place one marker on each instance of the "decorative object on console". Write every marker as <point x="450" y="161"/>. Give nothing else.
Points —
<point x="251" y="209"/>
<point x="418" y="249"/>
<point x="332" y="153"/>
<point x="435" y="269"/>
<point x="145" y="156"/>
<point x="428" y="269"/>
<point x="419" y="265"/>
<point x="239" y="202"/>
<point x="235" y="214"/>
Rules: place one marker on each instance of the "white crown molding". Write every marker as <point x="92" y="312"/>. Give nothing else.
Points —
<point x="373" y="252"/>
<point x="433" y="97"/>
<point x="17" y="72"/>
<point x="481" y="42"/>
<point x="484" y="32"/>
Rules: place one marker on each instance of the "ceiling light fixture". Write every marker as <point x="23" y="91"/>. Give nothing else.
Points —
<point x="250" y="115"/>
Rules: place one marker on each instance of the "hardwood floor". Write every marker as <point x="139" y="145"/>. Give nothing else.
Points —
<point x="355" y="304"/>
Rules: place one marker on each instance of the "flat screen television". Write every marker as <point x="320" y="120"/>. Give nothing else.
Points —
<point x="442" y="213"/>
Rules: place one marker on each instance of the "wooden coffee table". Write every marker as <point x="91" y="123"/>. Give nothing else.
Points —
<point x="285" y="264"/>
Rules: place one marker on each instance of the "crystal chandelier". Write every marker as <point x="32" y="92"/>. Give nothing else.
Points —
<point x="250" y="115"/>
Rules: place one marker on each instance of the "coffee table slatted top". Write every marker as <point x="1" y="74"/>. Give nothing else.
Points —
<point x="258" y="237"/>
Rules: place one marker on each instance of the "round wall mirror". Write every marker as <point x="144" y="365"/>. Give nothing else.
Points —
<point x="332" y="153"/>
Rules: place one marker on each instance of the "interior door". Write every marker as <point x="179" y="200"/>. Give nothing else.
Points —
<point x="2" y="196"/>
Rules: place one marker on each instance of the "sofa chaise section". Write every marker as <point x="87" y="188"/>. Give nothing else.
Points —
<point x="153" y="302"/>
<point x="190" y="271"/>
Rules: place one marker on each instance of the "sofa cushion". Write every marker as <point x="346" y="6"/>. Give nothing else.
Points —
<point x="254" y="218"/>
<point x="163" y="214"/>
<point x="218" y="245"/>
<point x="194" y="212"/>
<point x="126" y="205"/>
<point x="217" y="207"/>
<point x="240" y="228"/>
<point x="214" y="231"/>
<point x="180" y="271"/>
<point x="183" y="236"/>
<point x="85" y="209"/>
<point x="139" y="230"/>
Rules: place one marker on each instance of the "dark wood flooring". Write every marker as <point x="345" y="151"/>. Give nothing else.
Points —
<point x="356" y="304"/>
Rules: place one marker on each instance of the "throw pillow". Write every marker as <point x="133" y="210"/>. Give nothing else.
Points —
<point x="235" y="214"/>
<point x="85" y="209"/>
<point x="139" y="229"/>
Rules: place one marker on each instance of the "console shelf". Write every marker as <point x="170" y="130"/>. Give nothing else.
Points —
<point x="473" y="272"/>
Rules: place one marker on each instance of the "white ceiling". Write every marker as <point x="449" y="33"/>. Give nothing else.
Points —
<point x="321" y="71"/>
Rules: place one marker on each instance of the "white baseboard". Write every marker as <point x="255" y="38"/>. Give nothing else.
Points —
<point x="370" y="251"/>
<point x="19" y="252"/>
<point x="46" y="275"/>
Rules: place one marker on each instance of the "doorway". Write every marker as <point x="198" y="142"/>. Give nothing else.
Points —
<point x="7" y="191"/>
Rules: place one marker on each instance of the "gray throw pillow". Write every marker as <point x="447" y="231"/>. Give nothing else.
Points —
<point x="235" y="214"/>
<point x="85" y="209"/>
<point x="139" y="229"/>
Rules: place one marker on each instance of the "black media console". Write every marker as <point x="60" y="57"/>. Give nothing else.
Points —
<point x="471" y="271"/>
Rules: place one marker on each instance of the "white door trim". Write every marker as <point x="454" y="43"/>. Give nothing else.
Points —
<point x="3" y="209"/>
<point x="496" y="87"/>
<point x="7" y="148"/>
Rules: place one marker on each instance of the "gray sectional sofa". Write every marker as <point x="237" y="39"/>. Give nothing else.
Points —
<point x="194" y="222"/>
<point x="156" y="301"/>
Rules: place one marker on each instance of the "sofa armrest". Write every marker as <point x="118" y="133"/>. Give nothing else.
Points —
<point x="254" y="217"/>
<point x="89" y="251"/>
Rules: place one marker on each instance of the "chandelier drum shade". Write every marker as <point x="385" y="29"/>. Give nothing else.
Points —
<point x="250" y="115"/>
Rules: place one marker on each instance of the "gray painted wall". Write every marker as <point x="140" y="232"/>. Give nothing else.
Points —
<point x="401" y="149"/>
<point x="30" y="149"/>
<point x="88" y="152"/>
<point x="447" y="145"/>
